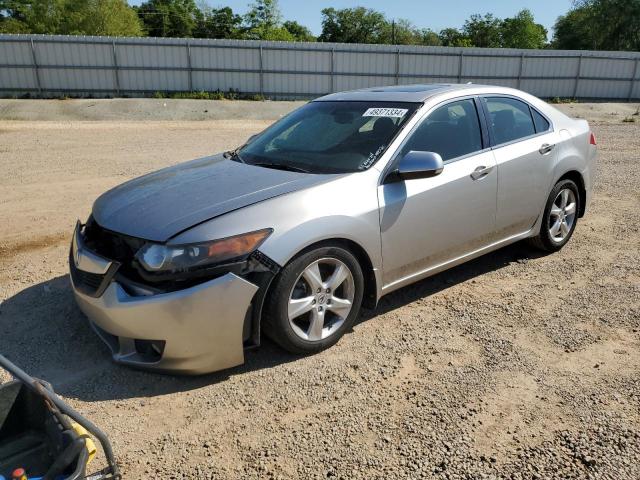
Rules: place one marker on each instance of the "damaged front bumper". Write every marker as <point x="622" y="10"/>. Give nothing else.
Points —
<point x="192" y="331"/>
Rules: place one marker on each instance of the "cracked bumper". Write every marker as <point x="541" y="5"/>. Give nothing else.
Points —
<point x="200" y="328"/>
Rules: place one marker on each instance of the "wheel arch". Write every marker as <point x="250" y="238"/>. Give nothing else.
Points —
<point x="578" y="179"/>
<point x="370" y="296"/>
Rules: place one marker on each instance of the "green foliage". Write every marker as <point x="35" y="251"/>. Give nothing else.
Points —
<point x="299" y="32"/>
<point x="231" y="94"/>
<point x="362" y="25"/>
<point x="483" y="31"/>
<point x="353" y="25"/>
<point x="558" y="100"/>
<point x="452" y="37"/>
<point x="522" y="31"/>
<point x="264" y="22"/>
<point x="69" y="17"/>
<point x="169" y="18"/>
<point x="600" y="25"/>
<point x="219" y="23"/>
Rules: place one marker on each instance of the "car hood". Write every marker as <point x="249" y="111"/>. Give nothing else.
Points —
<point x="162" y="204"/>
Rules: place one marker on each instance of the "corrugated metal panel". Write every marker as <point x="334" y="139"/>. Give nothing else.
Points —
<point x="130" y="65"/>
<point x="549" y="88"/>
<point x="224" y="81"/>
<point x="600" y="67"/>
<point x="430" y="65"/>
<point x="479" y="67"/>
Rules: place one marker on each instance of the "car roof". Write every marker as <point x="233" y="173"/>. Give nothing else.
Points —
<point x="396" y="93"/>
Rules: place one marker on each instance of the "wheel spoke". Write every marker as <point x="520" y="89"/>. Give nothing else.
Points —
<point x="555" y="211"/>
<point x="570" y="209"/>
<point x="316" y="325"/>
<point x="339" y="275"/>
<point x="555" y="229"/>
<point x="565" y="228"/>
<point x="340" y="306"/>
<point x="299" y="306"/>
<point x="313" y="277"/>
<point x="564" y="198"/>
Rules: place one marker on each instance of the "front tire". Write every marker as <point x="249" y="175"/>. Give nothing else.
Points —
<point x="315" y="300"/>
<point x="560" y="217"/>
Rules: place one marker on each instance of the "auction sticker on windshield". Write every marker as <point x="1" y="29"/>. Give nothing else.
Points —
<point x="385" y="112"/>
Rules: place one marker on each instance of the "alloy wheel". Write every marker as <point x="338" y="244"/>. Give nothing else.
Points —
<point x="321" y="299"/>
<point x="562" y="215"/>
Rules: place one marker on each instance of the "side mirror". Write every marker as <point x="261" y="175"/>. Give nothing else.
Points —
<point x="416" y="165"/>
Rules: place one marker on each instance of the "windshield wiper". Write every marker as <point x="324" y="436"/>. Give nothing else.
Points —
<point x="234" y="155"/>
<point x="280" y="166"/>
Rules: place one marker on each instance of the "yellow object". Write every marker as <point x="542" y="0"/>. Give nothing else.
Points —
<point x="91" y="447"/>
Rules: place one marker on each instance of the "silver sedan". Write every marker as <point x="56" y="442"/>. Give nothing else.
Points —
<point x="344" y="200"/>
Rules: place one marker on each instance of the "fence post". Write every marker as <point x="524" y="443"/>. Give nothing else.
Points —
<point x="189" y="65"/>
<point x="397" y="65"/>
<point x="520" y="70"/>
<point x="333" y="70"/>
<point x="261" y="73"/>
<point x="36" y="69"/>
<point x="115" y="68"/>
<point x="578" y="73"/>
<point x="633" y="79"/>
<point x="460" y="65"/>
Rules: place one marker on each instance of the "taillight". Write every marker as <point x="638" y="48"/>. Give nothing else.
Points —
<point x="592" y="139"/>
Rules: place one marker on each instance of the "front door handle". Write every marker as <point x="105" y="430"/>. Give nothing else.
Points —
<point x="480" y="172"/>
<point x="546" y="148"/>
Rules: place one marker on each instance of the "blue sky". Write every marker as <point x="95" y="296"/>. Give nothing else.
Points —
<point x="423" y="13"/>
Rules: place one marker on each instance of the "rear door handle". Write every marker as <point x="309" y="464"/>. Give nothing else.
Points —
<point x="480" y="172"/>
<point x="546" y="148"/>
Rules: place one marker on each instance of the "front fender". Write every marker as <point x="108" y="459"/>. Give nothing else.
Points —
<point x="346" y="208"/>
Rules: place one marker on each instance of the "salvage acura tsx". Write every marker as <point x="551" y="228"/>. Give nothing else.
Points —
<point x="342" y="201"/>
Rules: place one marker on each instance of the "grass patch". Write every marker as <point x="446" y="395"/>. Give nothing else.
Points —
<point x="232" y="94"/>
<point x="629" y="120"/>
<point x="558" y="100"/>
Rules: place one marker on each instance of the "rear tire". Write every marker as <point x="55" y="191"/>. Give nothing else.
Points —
<point x="314" y="300"/>
<point x="560" y="217"/>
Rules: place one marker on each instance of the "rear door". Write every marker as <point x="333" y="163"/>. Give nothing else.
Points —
<point x="427" y="222"/>
<point x="523" y="143"/>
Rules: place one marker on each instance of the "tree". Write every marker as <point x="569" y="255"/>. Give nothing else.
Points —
<point x="522" y="31"/>
<point x="299" y="32"/>
<point x="600" y="25"/>
<point x="572" y="31"/>
<point x="264" y="14"/>
<point x="170" y="18"/>
<point x="353" y="25"/>
<point x="69" y="17"/>
<point x="452" y="37"/>
<point x="483" y="31"/>
<point x="429" y="38"/>
<point x="219" y="23"/>
<point x="264" y="22"/>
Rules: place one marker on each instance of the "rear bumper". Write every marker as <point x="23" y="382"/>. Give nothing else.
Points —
<point x="196" y="330"/>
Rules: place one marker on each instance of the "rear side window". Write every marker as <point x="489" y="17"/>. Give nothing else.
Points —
<point x="452" y="130"/>
<point x="542" y="124"/>
<point x="510" y="119"/>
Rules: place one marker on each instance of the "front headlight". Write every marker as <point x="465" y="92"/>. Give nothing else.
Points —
<point x="164" y="258"/>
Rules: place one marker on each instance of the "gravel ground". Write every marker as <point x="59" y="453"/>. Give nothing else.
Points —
<point x="516" y="365"/>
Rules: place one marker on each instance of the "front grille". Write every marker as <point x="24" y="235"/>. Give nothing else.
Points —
<point x="92" y="284"/>
<point x="91" y="280"/>
<point x="111" y="245"/>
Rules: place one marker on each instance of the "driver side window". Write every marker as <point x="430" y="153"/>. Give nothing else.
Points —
<point x="452" y="131"/>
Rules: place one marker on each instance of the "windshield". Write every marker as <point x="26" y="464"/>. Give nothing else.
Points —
<point x="329" y="137"/>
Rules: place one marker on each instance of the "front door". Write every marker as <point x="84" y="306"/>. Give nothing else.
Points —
<point x="427" y="222"/>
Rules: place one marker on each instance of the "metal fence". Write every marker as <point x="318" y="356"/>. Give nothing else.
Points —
<point x="44" y="65"/>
